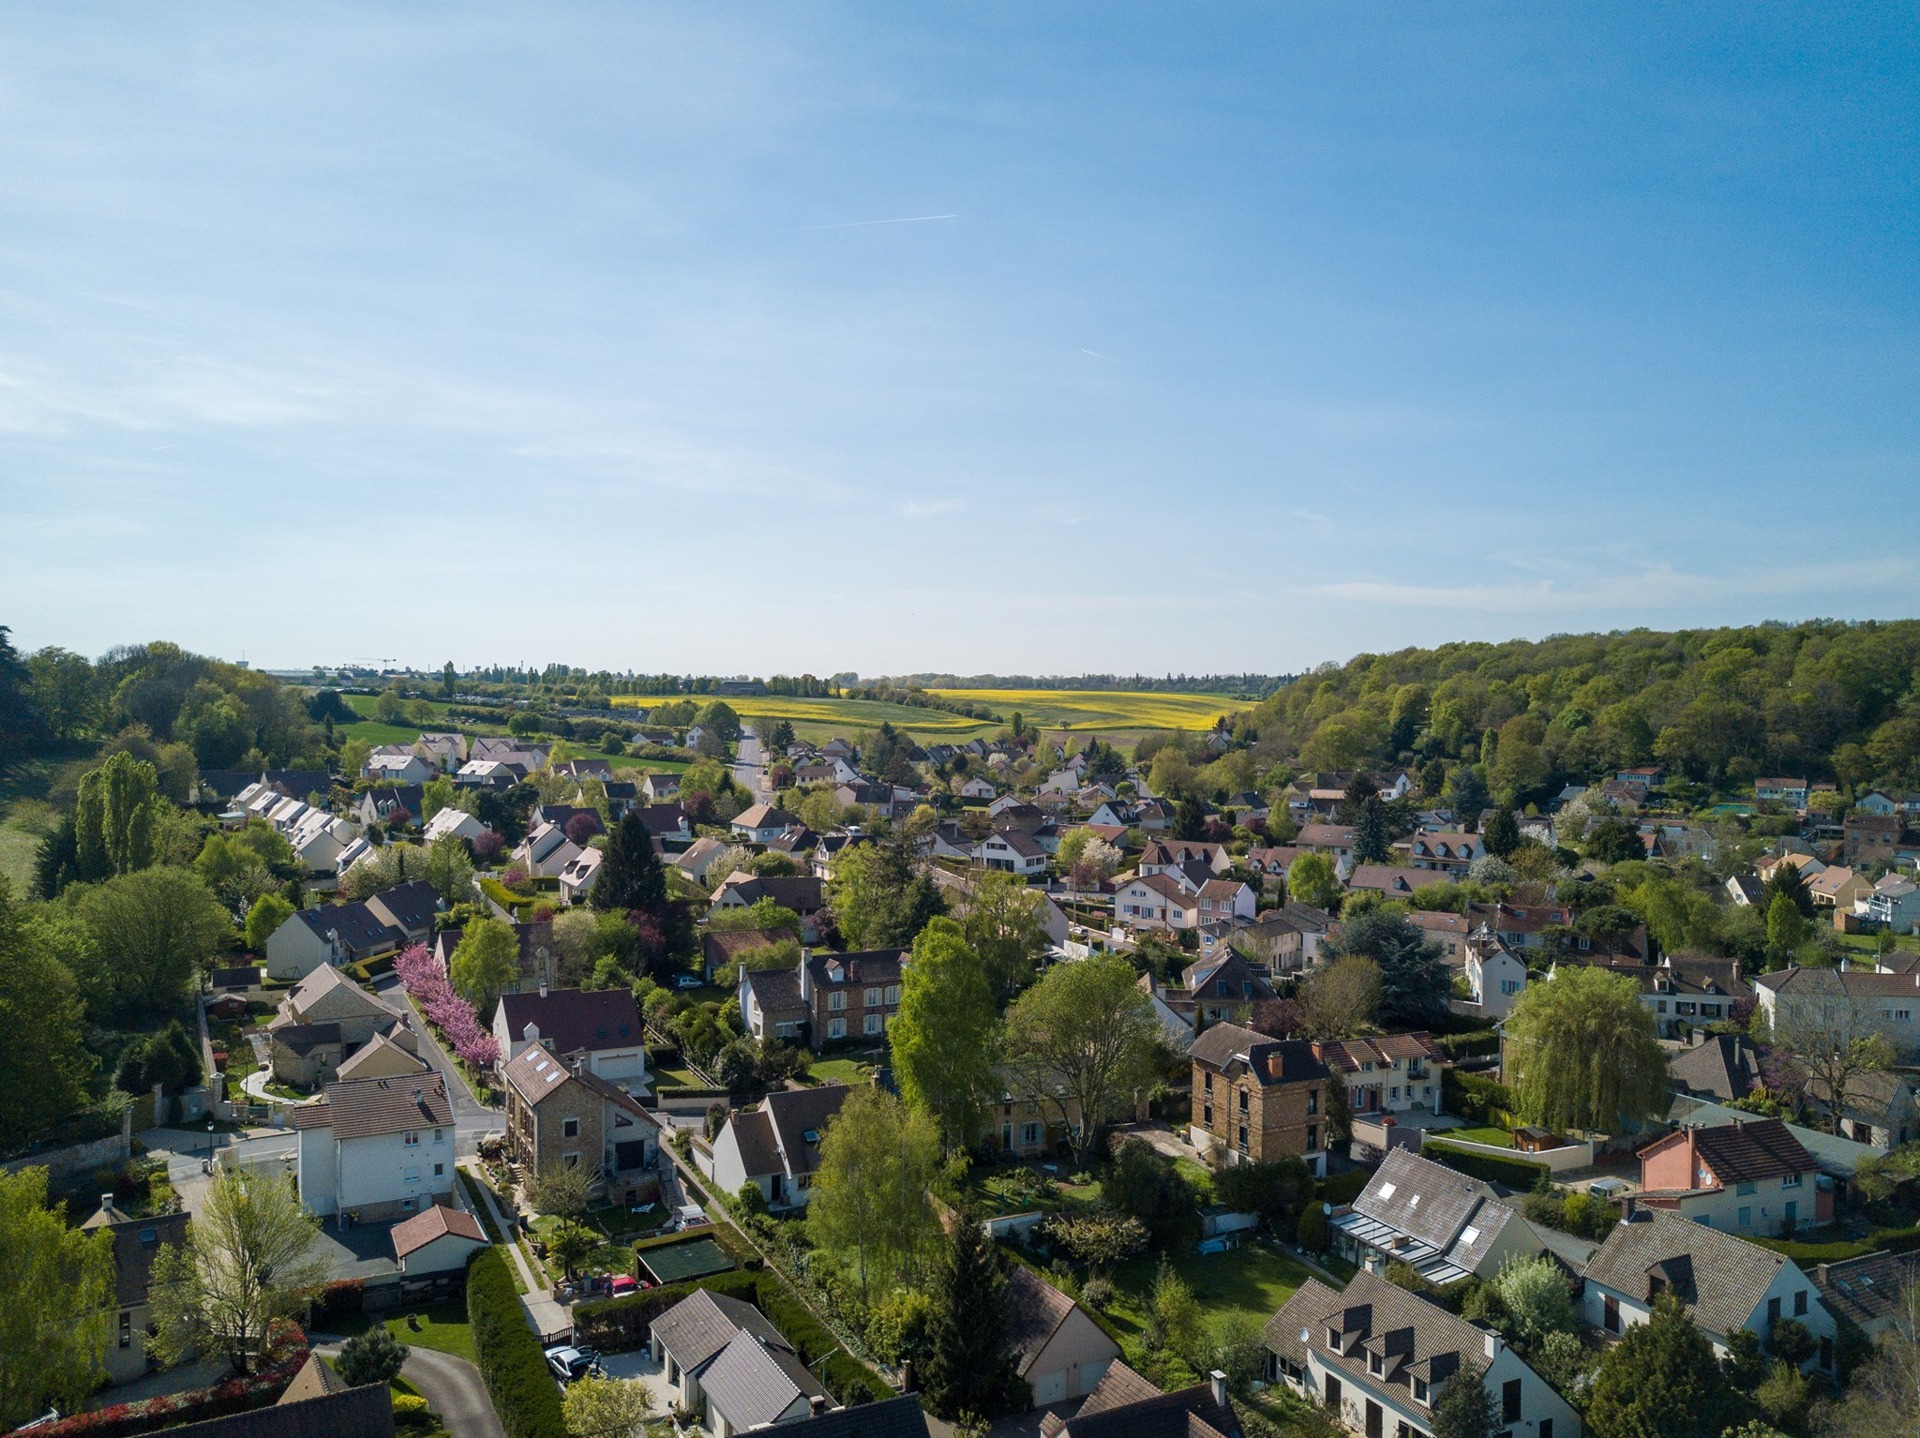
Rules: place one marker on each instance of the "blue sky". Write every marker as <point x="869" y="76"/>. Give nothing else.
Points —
<point x="1250" y="336"/>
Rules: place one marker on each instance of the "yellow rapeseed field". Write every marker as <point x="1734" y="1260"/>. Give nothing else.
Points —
<point x="1085" y="710"/>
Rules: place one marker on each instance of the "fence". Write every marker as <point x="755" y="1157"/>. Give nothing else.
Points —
<point x="1560" y="1160"/>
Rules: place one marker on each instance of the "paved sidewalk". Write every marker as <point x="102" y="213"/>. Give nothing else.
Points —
<point x="544" y="1314"/>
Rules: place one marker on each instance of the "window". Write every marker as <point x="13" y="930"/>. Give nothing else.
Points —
<point x="1243" y="1100"/>
<point x="1375" y="1365"/>
<point x="439" y="1135"/>
<point x="570" y="1128"/>
<point x="1243" y="1138"/>
<point x="1313" y="1137"/>
<point x="570" y="1160"/>
<point x="412" y="1138"/>
<point x="1396" y="1091"/>
<point x="1419" y="1392"/>
<point x="1030" y="1134"/>
<point x="1206" y="1116"/>
<point x="893" y="993"/>
<point x="1800" y="1304"/>
<point x="871" y="998"/>
<point x="1746" y="1188"/>
<point x="1510" y="1401"/>
<point x="1773" y="1310"/>
<point x="836" y="1001"/>
<point x="1746" y="1216"/>
<point x="1792" y="1180"/>
<point x="836" y="1028"/>
<point x="1610" y="1314"/>
<point x="873" y="1024"/>
<point x="410" y="1175"/>
<point x="1313" y="1100"/>
<point x="439" y="1170"/>
<point x="126" y="1329"/>
<point x="1207" y="1082"/>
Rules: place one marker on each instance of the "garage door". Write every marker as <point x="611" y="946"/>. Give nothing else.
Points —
<point x="1049" y="1387"/>
<point x="1092" y="1373"/>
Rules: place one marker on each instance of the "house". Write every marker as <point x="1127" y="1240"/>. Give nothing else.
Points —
<point x="376" y="1149"/>
<point x="1273" y="860"/>
<point x="1876" y="802"/>
<point x="317" y="1404"/>
<point x="385" y="1055"/>
<point x="1841" y="1004"/>
<point x="1725" y="1282"/>
<point x="305" y="1055"/>
<point x="666" y="823"/>
<point x="453" y="822"/>
<point x="576" y="880"/>
<point x="771" y="1009"/>
<point x="1880" y="1107"/>
<point x="721" y="949"/>
<point x="660" y="787"/>
<point x="439" y="1239"/>
<point x="1156" y="901"/>
<point x="1379" y="1357"/>
<point x="1748" y="1178"/>
<point x="978" y="788"/>
<point x="405" y="767"/>
<point x="1011" y="852"/>
<point x="1894" y="903"/>
<point x="776" y="1146"/>
<point x="545" y="852"/>
<point x="408" y="909"/>
<point x="1443" y="1224"/>
<point x="1257" y="1097"/>
<point x="1058" y="1350"/>
<point x="135" y="1243"/>
<point x="1225" y="986"/>
<point x="1392" y="880"/>
<point x="490" y="774"/>
<point x="600" y="1026"/>
<point x="560" y="1114"/>
<point x="328" y="997"/>
<point x="762" y="823"/>
<point x="1125" y="1405"/>
<point x="1495" y="976"/>
<point x="1869" y="1291"/>
<point x="1683" y="991"/>
<point x="727" y="1363"/>
<point x="1159" y="855"/>
<point x="1722" y="1067"/>
<point x="1449" y="852"/>
<point x="1745" y="890"/>
<point x="1804" y="862"/>
<point x="601" y="769"/>
<point x="508" y="750"/>
<point x="1387" y="1073"/>
<point x="318" y="839"/>
<point x="1839" y="888"/>
<point x="1333" y="840"/>
<point x="698" y="858"/>
<point x="328" y="936"/>
<point x="850" y="996"/>
<point x="803" y="893"/>
<point x="1792" y="793"/>
<point x="1036" y="1118"/>
<point x="1869" y="839"/>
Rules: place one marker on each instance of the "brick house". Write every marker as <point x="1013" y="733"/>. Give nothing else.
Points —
<point x="1869" y="839"/>
<point x="851" y="996"/>
<point x="565" y="1116"/>
<point x="1258" y="1097"/>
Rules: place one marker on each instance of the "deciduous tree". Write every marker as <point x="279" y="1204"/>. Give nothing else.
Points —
<point x="1311" y="880"/>
<point x="1414" y="984"/>
<point x="116" y="818"/>
<point x="1340" y="1000"/>
<point x="485" y="962"/>
<point x="151" y="931"/>
<point x="41" y="1069"/>
<point x="1584" y="1053"/>
<point x="56" y="1297"/>
<point x="606" y="1407"/>
<point x="1081" y="1040"/>
<point x="869" y="1196"/>
<point x="1465" y="1407"/>
<point x="882" y="895"/>
<point x="944" y="1038"/>
<point x="1005" y="924"/>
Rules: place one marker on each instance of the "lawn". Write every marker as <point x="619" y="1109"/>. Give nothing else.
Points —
<point x="846" y="1071"/>
<point x="1252" y="1280"/>
<point x="443" y="1326"/>
<point x="1836" y="1250"/>
<point x="1497" y="1137"/>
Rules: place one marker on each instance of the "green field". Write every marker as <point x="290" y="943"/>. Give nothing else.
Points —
<point x="1083" y="711"/>
<point x="1251" y="1280"/>
<point x="26" y="816"/>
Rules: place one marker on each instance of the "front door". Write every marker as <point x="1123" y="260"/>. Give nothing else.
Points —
<point x="1333" y="1394"/>
<point x="1373" y="1419"/>
<point x="1610" y="1314"/>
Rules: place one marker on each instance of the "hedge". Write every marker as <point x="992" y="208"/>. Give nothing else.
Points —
<point x="1341" y="1188"/>
<point x="1515" y="1173"/>
<point x="1469" y="1045"/>
<point x="1472" y="1096"/>
<point x="685" y="1090"/>
<point x="504" y="897"/>
<point x="614" y="1324"/>
<point x="508" y="1352"/>
<point x="286" y="1355"/>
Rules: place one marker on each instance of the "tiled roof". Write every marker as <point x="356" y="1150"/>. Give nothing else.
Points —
<point x="363" y="1108"/>
<point x="1426" y="1200"/>
<point x="365" y="1412"/>
<point x="763" y="816"/>
<point x="1331" y="836"/>
<point x="1722" y="1283"/>
<point x="325" y="980"/>
<point x="575" y="1020"/>
<point x="303" y="1039"/>
<point x="777" y="991"/>
<point x="1725" y="1067"/>
<point x="1118" y="1387"/>
<point x="1189" y="1413"/>
<point x="1347" y="1055"/>
<point x="703" y="1323"/>
<point x="1391" y="879"/>
<point x="435" y="1222"/>
<point x="358" y="927"/>
<point x="753" y="1132"/>
<point x="409" y="906"/>
<point x="1748" y="1152"/>
<point x="752" y="1382"/>
<point x="534" y="1073"/>
<point x="1867" y="1289"/>
<point x="900" y="1417"/>
<point x="1035" y="1311"/>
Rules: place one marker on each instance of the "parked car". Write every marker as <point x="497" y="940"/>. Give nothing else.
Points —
<point x="690" y="1215"/>
<point x="687" y="981"/>
<point x="568" y="1363"/>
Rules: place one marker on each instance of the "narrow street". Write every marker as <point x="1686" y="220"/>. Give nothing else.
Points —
<point x="472" y="1119"/>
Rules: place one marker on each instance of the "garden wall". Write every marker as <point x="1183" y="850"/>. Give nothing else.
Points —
<point x="79" y="1158"/>
<point x="1559" y="1160"/>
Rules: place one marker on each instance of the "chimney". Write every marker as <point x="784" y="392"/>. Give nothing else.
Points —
<point x="817" y="1405"/>
<point x="106" y="1203"/>
<point x="909" y="1380"/>
<point x="1373" y="1264"/>
<point x="1492" y="1343"/>
<point x="1217" y="1381"/>
<point x="543" y="986"/>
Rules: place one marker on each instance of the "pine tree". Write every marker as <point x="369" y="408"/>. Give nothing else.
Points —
<point x="630" y="876"/>
<point x="375" y="1356"/>
<point x="969" y="1362"/>
<point x="1370" y="831"/>
<point x="1465" y="1409"/>
<point x="1662" y="1381"/>
<point x="1502" y="835"/>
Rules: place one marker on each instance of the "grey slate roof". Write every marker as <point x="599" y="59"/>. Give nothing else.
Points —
<point x="1721" y="1280"/>
<point x="751" y="1382"/>
<point x="1445" y="1214"/>
<point x="1867" y="1289"/>
<point x="1725" y="1067"/>
<point x="899" y="1417"/>
<point x="357" y="926"/>
<point x="1226" y="1047"/>
<point x="575" y="1020"/>
<point x="795" y="1113"/>
<point x="1035" y="1311"/>
<point x="136" y="1242"/>
<point x="701" y="1324"/>
<point x="1414" y="1336"/>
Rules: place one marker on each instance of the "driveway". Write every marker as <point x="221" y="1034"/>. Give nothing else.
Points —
<point x="452" y="1387"/>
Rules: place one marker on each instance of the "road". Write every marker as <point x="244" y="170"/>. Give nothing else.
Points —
<point x="746" y="762"/>
<point x="452" y="1387"/>
<point x="472" y="1119"/>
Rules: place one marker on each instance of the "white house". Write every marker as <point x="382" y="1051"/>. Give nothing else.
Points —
<point x="377" y="1149"/>
<point x="721" y="1355"/>
<point x="451" y="821"/>
<point x="319" y="839"/>
<point x="1495" y="978"/>
<point x="1895" y="902"/>
<point x="1156" y="902"/>
<point x="660" y="787"/>
<point x="762" y="823"/>
<point x="776" y="1146"/>
<point x="436" y="1240"/>
<point x="330" y="934"/>
<point x="1380" y="1356"/>
<point x="576" y="880"/>
<point x="402" y="768"/>
<point x="1726" y="1282"/>
<point x="1012" y="853"/>
<point x="546" y="851"/>
<point x="1059" y="1352"/>
<point x="978" y="788"/>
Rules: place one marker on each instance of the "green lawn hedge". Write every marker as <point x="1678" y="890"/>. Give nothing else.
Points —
<point x="1338" y="1188"/>
<point x="1516" y="1173"/>
<point x="508" y="1352"/>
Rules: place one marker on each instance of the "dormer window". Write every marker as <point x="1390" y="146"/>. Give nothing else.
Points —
<point x="1333" y="1339"/>
<point x="1375" y="1365"/>
<point x="1420" y="1391"/>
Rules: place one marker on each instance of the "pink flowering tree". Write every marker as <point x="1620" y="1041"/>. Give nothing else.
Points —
<point x="426" y="982"/>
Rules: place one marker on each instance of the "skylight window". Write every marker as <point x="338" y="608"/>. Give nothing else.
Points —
<point x="1469" y="1235"/>
<point x="1386" y="1190"/>
<point x="1414" y="1202"/>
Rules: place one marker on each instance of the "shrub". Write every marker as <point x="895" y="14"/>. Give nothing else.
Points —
<point x="1342" y="1188"/>
<point x="508" y="1352"/>
<point x="1472" y="1096"/>
<point x="1313" y="1228"/>
<point x="1515" y="1173"/>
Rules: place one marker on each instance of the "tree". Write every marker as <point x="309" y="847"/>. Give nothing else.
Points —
<point x="1370" y="838"/>
<point x="233" y="871"/>
<point x="117" y="817"/>
<point x="944" y="1036"/>
<point x="1786" y="931"/>
<point x="249" y="1260"/>
<point x="1005" y="925"/>
<point x="485" y="962"/>
<point x="437" y="794"/>
<point x="1081" y="1039"/>
<point x="151" y="931"/>
<point x="631" y="877"/>
<point x="1502" y="833"/>
<point x="1465" y="1407"/>
<point x="570" y="1243"/>
<point x="1883" y="1394"/>
<point x="1340" y="1000"/>
<point x="1175" y="1323"/>
<point x="1661" y="1380"/>
<point x="1614" y="841"/>
<point x="1836" y="1043"/>
<point x="1311" y="880"/>
<point x="877" y="1160"/>
<point x="375" y="1356"/>
<point x="1466" y="795"/>
<point x="970" y="1363"/>
<point x="1789" y="880"/>
<point x="1415" y="987"/>
<point x="42" y="1072"/>
<point x="882" y="895"/>
<point x="1585" y="1054"/>
<point x="56" y="1296"/>
<point x="450" y="869"/>
<point x="1145" y="1185"/>
<point x="563" y="1191"/>
<point x="1275" y="1188"/>
<point x="606" y="1407"/>
<point x="264" y="919"/>
<point x="1099" y="1238"/>
<point x="1536" y="1297"/>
